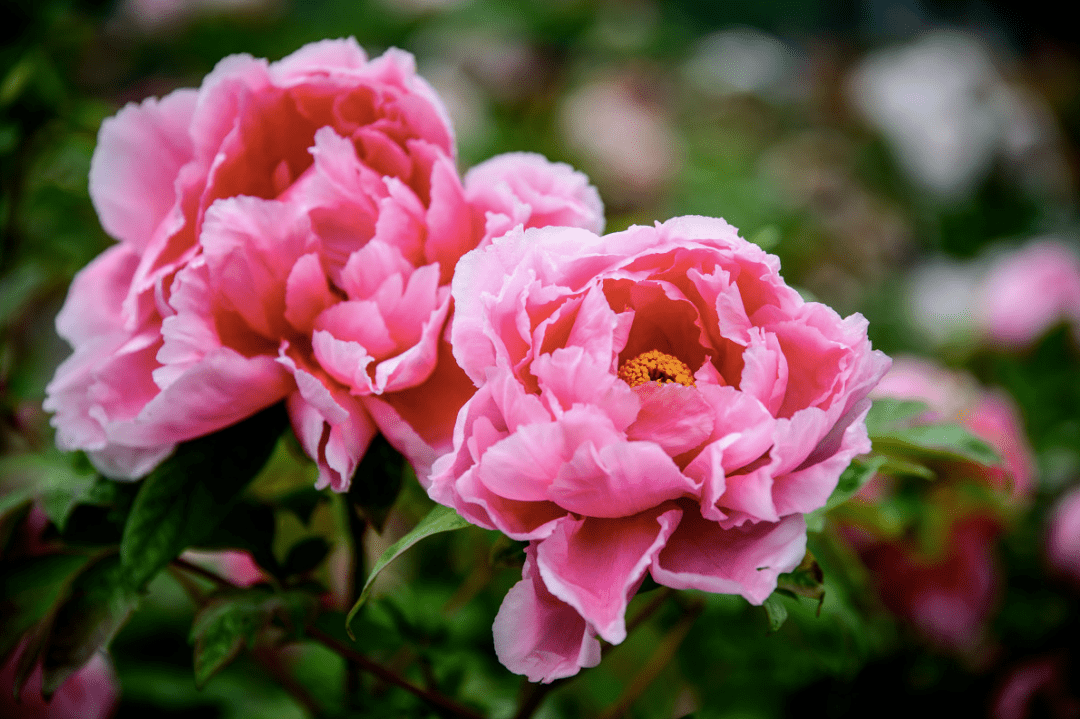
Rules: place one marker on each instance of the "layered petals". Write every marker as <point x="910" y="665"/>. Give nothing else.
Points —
<point x="654" y="400"/>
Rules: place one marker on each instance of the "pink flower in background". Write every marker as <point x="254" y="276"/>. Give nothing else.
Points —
<point x="948" y="595"/>
<point x="655" y="400"/>
<point x="989" y="414"/>
<point x="1028" y="291"/>
<point x="1063" y="537"/>
<point x="90" y="693"/>
<point x="949" y="591"/>
<point x="286" y="231"/>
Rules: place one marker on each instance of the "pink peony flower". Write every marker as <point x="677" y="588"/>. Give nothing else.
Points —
<point x="89" y="693"/>
<point x="1028" y="291"/>
<point x="1063" y="537"/>
<point x="655" y="400"/>
<point x="286" y="231"/>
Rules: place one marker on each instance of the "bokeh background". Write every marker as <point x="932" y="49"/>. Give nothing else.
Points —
<point x="913" y="161"/>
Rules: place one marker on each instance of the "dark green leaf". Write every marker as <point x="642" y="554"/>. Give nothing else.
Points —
<point x="806" y="580"/>
<point x="28" y="590"/>
<point x="439" y="519"/>
<point x="775" y="611"/>
<point x="377" y="482"/>
<point x="98" y="603"/>
<point x="231" y="621"/>
<point x="183" y="500"/>
<point x="249" y="526"/>
<point x="305" y="555"/>
<point x="853" y="479"/>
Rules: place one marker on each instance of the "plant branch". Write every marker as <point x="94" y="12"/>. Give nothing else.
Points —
<point x="431" y="697"/>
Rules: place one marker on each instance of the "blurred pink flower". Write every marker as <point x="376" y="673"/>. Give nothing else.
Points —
<point x="1043" y="678"/>
<point x="989" y="414"/>
<point x="287" y="231"/>
<point x="700" y="477"/>
<point x="1063" y="536"/>
<point x="235" y="565"/>
<point x="948" y="595"/>
<point x="948" y="591"/>
<point x="1028" y="291"/>
<point x="89" y="693"/>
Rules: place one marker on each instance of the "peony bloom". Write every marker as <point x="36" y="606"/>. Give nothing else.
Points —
<point x="287" y="230"/>
<point x="656" y="400"/>
<point x="1063" y="537"/>
<point x="948" y="590"/>
<point x="1029" y="291"/>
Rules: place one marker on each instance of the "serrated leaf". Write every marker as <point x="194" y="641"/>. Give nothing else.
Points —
<point x="184" y="499"/>
<point x="439" y="519"/>
<point x="97" y="605"/>
<point x="231" y="621"/>
<point x="775" y="611"/>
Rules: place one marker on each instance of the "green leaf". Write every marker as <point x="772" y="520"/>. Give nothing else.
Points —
<point x="98" y="603"/>
<point x="776" y="612"/>
<point x="231" y="621"/>
<point x="887" y="414"/>
<point x="937" y="442"/>
<point x="439" y="519"/>
<point x="28" y="590"/>
<point x="806" y="580"/>
<point x="853" y="479"/>
<point x="184" y="499"/>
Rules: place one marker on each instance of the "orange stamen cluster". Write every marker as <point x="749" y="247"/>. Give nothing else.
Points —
<point x="655" y="366"/>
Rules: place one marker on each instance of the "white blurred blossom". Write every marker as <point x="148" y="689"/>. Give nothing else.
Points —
<point x="745" y="60"/>
<point x="946" y="110"/>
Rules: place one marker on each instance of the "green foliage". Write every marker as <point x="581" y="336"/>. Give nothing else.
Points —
<point x="892" y="432"/>
<point x="96" y="604"/>
<point x="232" y="620"/>
<point x="182" y="501"/>
<point x="439" y="519"/>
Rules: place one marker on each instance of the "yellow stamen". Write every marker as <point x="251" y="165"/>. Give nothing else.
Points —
<point x="655" y="366"/>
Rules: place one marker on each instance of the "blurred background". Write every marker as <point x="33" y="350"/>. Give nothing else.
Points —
<point x="913" y="161"/>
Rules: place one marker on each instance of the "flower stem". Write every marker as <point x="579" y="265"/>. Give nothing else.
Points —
<point x="372" y="667"/>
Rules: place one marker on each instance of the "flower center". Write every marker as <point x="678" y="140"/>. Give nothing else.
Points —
<point x="655" y="366"/>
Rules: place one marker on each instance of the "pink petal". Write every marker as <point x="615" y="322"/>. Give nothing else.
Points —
<point x="618" y="480"/>
<point x="318" y="59"/>
<point x="307" y="292"/>
<point x="744" y="560"/>
<point x="539" y="636"/>
<point x="369" y="267"/>
<point x="449" y="220"/>
<point x="332" y="427"/>
<point x="222" y="389"/>
<point x="595" y="565"/>
<point x="94" y="300"/>
<point x="139" y="153"/>
<point x="675" y="417"/>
